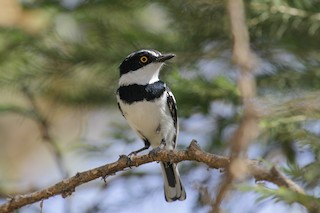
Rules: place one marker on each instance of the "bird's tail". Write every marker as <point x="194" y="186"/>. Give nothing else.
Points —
<point x="173" y="188"/>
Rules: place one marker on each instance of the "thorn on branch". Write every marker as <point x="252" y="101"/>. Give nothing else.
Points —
<point x="67" y="192"/>
<point x="123" y="157"/>
<point x="104" y="178"/>
<point x="193" y="147"/>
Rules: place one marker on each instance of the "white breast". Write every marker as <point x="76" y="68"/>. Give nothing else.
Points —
<point x="150" y="119"/>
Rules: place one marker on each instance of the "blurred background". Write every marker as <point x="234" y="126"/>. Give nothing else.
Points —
<point x="58" y="115"/>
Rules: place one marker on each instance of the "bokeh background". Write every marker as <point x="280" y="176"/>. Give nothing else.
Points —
<point x="58" y="115"/>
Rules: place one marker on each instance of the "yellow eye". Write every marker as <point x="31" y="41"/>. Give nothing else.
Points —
<point x="144" y="59"/>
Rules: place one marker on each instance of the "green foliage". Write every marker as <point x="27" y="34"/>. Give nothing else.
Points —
<point x="285" y="195"/>
<point x="18" y="110"/>
<point x="201" y="90"/>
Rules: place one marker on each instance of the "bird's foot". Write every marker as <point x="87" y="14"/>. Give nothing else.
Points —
<point x="130" y="158"/>
<point x="132" y="154"/>
<point x="154" y="152"/>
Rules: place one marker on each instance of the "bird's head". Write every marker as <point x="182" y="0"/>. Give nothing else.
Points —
<point x="142" y="67"/>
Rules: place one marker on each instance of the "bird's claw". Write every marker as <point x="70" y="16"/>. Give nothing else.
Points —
<point x="155" y="151"/>
<point x="131" y="155"/>
<point x="130" y="158"/>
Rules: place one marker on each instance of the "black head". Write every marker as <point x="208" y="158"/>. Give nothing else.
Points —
<point x="141" y="58"/>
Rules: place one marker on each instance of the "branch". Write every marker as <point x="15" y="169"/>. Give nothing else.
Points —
<point x="44" y="127"/>
<point x="245" y="60"/>
<point x="193" y="153"/>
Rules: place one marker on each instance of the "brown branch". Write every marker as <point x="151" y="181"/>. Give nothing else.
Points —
<point x="44" y="127"/>
<point x="193" y="153"/>
<point x="245" y="60"/>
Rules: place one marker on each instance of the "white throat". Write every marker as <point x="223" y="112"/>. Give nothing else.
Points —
<point x="145" y="75"/>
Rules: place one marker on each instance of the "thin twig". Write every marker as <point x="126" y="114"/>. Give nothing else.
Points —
<point x="193" y="153"/>
<point x="245" y="61"/>
<point x="44" y="127"/>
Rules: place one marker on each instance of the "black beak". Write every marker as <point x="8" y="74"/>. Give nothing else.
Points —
<point x="164" y="57"/>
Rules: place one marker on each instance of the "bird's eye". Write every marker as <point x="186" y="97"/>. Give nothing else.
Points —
<point x="144" y="59"/>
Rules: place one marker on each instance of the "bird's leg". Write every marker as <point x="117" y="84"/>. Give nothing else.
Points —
<point x="139" y="150"/>
<point x="146" y="146"/>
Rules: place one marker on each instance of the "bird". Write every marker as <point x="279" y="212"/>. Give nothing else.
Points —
<point x="150" y="109"/>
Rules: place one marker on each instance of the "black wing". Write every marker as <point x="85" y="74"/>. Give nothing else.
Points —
<point x="119" y="103"/>
<point x="173" y="110"/>
<point x="120" y="109"/>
